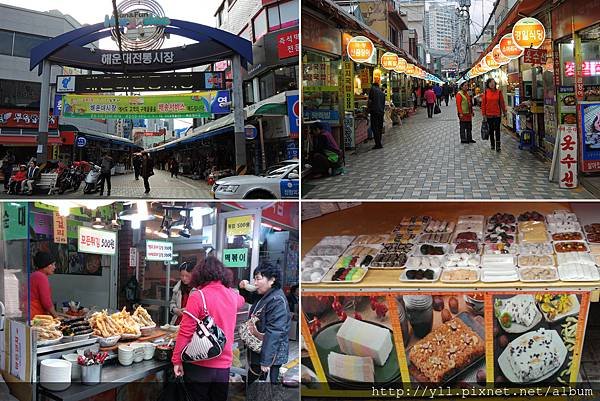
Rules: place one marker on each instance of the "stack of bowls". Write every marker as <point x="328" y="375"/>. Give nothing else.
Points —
<point x="55" y="374"/>
<point x="126" y="354"/>
<point x="138" y="352"/>
<point x="75" y="368"/>
<point x="149" y="349"/>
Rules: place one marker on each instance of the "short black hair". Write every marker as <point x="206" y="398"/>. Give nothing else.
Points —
<point x="269" y="271"/>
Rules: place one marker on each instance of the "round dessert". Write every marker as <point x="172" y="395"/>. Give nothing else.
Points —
<point x="427" y="249"/>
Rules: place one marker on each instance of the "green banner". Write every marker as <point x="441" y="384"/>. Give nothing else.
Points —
<point x="235" y="257"/>
<point x="72" y="228"/>
<point x="15" y="221"/>
<point x="189" y="105"/>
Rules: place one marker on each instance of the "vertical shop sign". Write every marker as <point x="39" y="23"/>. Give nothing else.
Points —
<point x="590" y="136"/>
<point x="59" y="228"/>
<point x="18" y="350"/>
<point x="348" y="85"/>
<point x="567" y="154"/>
<point x="241" y="225"/>
<point x="556" y="59"/>
<point x="14" y="221"/>
<point x="578" y="69"/>
<point x="133" y="257"/>
<point x="235" y="257"/>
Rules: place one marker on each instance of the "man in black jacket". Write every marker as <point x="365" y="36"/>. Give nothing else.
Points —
<point x="147" y="170"/>
<point x="106" y="165"/>
<point x="376" y="106"/>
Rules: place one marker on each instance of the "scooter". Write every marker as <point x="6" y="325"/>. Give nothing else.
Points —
<point x="71" y="179"/>
<point x="92" y="180"/>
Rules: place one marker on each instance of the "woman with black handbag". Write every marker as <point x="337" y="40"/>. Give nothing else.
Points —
<point x="211" y="300"/>
<point x="271" y="313"/>
<point x="492" y="107"/>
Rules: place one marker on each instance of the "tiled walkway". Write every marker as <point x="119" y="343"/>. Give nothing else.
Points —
<point x="424" y="159"/>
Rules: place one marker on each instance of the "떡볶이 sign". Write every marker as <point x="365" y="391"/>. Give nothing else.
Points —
<point x="160" y="251"/>
<point x="235" y="257"/>
<point x="97" y="242"/>
<point x="241" y="225"/>
<point x="189" y="105"/>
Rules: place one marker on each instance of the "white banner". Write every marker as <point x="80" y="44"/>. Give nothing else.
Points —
<point x="568" y="154"/>
<point x="98" y="242"/>
<point x="133" y="257"/>
<point x="18" y="350"/>
<point x="161" y="251"/>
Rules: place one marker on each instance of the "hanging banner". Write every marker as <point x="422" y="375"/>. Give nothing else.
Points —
<point x="360" y="49"/>
<point x="97" y="242"/>
<point x="389" y="61"/>
<point x="189" y="105"/>
<point x="489" y="60"/>
<point x="42" y="223"/>
<point x="567" y="156"/>
<point x="498" y="56"/>
<point x="235" y="257"/>
<point x="590" y="136"/>
<point x="14" y="221"/>
<point x="241" y="225"/>
<point x="159" y="251"/>
<point x="508" y="47"/>
<point x="59" y="228"/>
<point x="348" y="85"/>
<point x="528" y="32"/>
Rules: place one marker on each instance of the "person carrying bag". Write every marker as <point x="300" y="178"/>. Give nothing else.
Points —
<point x="203" y="352"/>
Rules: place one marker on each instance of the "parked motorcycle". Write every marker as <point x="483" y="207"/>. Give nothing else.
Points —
<point x="92" y="180"/>
<point x="71" y="178"/>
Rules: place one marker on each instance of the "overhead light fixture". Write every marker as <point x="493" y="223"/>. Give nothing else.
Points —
<point x="136" y="224"/>
<point x="64" y="210"/>
<point x="98" y="223"/>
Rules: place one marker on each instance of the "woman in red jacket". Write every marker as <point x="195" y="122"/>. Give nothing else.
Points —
<point x="492" y="106"/>
<point x="464" y="108"/>
<point x="208" y="379"/>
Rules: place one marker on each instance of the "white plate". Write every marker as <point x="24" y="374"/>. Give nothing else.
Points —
<point x="510" y="276"/>
<point x="587" y="249"/>
<point x="476" y="270"/>
<point x="539" y="281"/>
<point x="489" y="249"/>
<point x="436" y="276"/>
<point x="516" y="327"/>
<point x="573" y="311"/>
<point x="416" y="262"/>
<point x="544" y="248"/>
<point x="343" y="240"/>
<point x="581" y="258"/>
<point x="451" y="262"/>
<point x="505" y="366"/>
<point x="590" y="270"/>
<point x="308" y="264"/>
<point x="549" y="258"/>
<point x="108" y="341"/>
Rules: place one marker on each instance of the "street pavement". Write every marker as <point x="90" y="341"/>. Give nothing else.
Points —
<point x="125" y="186"/>
<point x="424" y="159"/>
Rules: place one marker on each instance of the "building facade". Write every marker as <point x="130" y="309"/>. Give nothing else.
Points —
<point x="441" y="33"/>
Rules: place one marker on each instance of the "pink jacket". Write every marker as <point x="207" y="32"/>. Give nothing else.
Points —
<point x="222" y="304"/>
<point x="430" y="96"/>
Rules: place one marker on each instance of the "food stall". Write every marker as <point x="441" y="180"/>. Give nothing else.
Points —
<point x="459" y="296"/>
<point x="116" y="266"/>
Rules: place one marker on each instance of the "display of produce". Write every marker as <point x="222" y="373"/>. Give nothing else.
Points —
<point x="533" y="231"/>
<point x="534" y="260"/>
<point x="345" y="274"/>
<point x="389" y="260"/>
<point x="397" y="247"/>
<point x="420" y="275"/>
<point x="464" y="236"/>
<point x="431" y="250"/>
<point x="327" y="250"/>
<point x="405" y="238"/>
<point x="425" y="262"/>
<point x="500" y="248"/>
<point x="75" y="328"/>
<point x="448" y="348"/>
<point x="372" y="239"/>
<point x="47" y="329"/>
<point x="578" y="272"/>
<point x="543" y="248"/>
<point x="467" y="247"/>
<point x="462" y="260"/>
<point x="142" y="317"/>
<point x="502" y="219"/>
<point x="531" y="216"/>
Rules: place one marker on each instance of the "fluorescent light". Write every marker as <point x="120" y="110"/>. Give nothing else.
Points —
<point x="64" y="210"/>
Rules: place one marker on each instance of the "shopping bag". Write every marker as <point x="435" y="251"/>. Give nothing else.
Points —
<point x="175" y="391"/>
<point x="485" y="131"/>
<point x="436" y="109"/>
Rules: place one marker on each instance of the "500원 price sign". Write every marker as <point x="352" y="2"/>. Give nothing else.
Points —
<point x="98" y="242"/>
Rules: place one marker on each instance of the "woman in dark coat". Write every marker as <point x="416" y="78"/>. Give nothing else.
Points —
<point x="270" y="304"/>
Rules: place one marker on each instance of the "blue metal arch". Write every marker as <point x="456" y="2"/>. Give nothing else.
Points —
<point x="88" y="34"/>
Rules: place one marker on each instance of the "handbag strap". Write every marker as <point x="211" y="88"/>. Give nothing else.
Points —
<point x="205" y="309"/>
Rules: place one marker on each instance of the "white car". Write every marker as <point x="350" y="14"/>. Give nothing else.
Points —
<point x="280" y="181"/>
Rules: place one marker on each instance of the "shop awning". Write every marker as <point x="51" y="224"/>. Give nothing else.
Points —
<point x="99" y="136"/>
<point x="273" y="106"/>
<point x="27" y="140"/>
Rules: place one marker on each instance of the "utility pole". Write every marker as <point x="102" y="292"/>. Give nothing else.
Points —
<point x="462" y="12"/>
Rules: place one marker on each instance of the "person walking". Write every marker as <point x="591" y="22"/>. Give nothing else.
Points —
<point x="492" y="106"/>
<point x="147" y="170"/>
<point x="418" y="94"/>
<point x="106" y="165"/>
<point x="174" y="167"/>
<point x="376" y="106"/>
<point x="437" y="89"/>
<point x="430" y="100"/>
<point x="464" y="107"/>
<point x="210" y="294"/>
<point x="137" y="165"/>
<point x="269" y="304"/>
<point x="446" y="93"/>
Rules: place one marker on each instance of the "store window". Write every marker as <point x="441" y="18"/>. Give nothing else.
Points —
<point x="25" y="42"/>
<point x="19" y="93"/>
<point x="6" y="42"/>
<point x="260" y="25"/>
<point x="248" y="93"/>
<point x="266" y="85"/>
<point x="288" y="12"/>
<point x="274" y="21"/>
<point x="246" y="33"/>
<point x="286" y="78"/>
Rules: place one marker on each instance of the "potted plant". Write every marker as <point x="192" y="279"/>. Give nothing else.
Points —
<point x="91" y="366"/>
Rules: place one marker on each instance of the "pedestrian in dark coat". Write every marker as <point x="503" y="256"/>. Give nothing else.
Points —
<point x="137" y="165"/>
<point x="147" y="170"/>
<point x="376" y="106"/>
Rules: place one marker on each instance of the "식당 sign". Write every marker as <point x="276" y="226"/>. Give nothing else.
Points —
<point x="97" y="242"/>
<point x="241" y="225"/>
<point x="235" y="257"/>
<point x="159" y="251"/>
<point x="360" y="49"/>
<point x="189" y="105"/>
<point x="288" y="44"/>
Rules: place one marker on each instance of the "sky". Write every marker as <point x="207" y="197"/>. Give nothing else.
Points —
<point x="91" y="12"/>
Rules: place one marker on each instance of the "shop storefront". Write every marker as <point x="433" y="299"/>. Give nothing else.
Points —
<point x="119" y="263"/>
<point x="449" y="291"/>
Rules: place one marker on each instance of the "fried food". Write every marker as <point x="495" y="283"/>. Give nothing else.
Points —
<point x="142" y="317"/>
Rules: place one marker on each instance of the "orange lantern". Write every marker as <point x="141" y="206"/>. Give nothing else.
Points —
<point x="410" y="69"/>
<point x="401" y="67"/>
<point x="528" y="32"/>
<point x="389" y="61"/>
<point x="489" y="60"/>
<point x="423" y="74"/>
<point x="508" y="48"/>
<point x="498" y="56"/>
<point x="360" y="49"/>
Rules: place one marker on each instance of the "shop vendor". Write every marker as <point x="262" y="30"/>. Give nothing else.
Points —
<point x="41" y="293"/>
<point x="181" y="292"/>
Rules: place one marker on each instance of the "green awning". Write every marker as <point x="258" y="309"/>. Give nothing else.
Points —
<point x="271" y="109"/>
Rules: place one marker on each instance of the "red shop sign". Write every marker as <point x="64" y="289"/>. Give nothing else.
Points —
<point x="288" y="44"/>
<point x="15" y="118"/>
<point x="535" y="56"/>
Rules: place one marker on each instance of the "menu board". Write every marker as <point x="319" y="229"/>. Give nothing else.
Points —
<point x="98" y="242"/>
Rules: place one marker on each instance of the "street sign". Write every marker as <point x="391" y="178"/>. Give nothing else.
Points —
<point x="250" y="131"/>
<point x="81" y="142"/>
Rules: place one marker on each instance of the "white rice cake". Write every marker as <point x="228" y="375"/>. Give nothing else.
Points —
<point x="533" y="355"/>
<point x="359" y="338"/>
<point x="349" y="367"/>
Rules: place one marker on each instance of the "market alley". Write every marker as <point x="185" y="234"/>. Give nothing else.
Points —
<point x="424" y="159"/>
